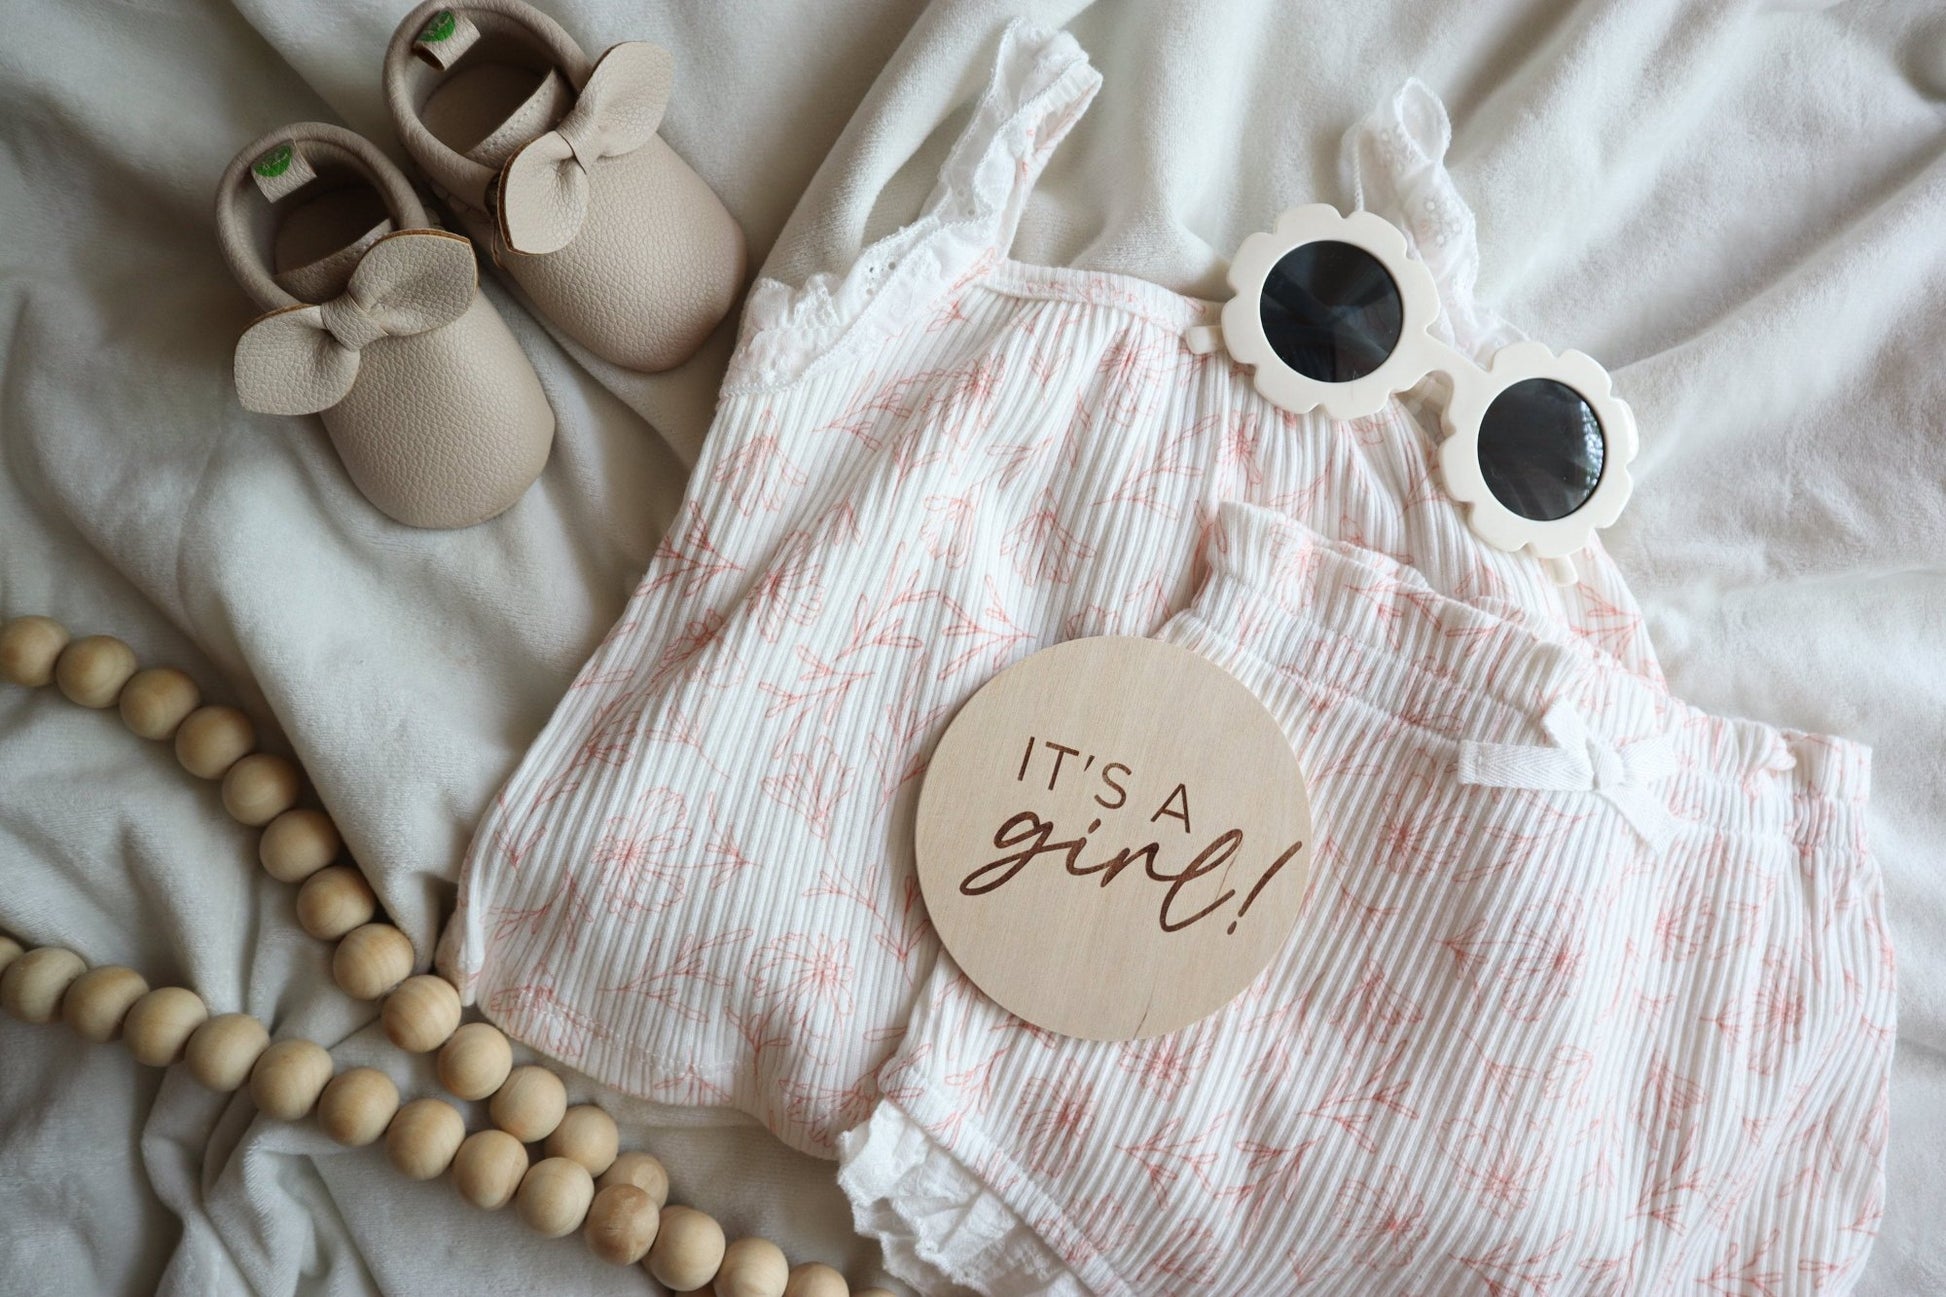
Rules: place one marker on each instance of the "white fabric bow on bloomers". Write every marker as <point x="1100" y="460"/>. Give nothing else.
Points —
<point x="1579" y="760"/>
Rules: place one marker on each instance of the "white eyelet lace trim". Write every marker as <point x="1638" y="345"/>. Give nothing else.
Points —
<point x="1041" y="84"/>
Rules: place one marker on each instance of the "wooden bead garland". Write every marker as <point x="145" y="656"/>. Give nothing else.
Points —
<point x="259" y="788"/>
<point x="421" y="1013"/>
<point x="357" y="1106"/>
<point x="371" y="960"/>
<point x="489" y="1167"/>
<point x="32" y="987"/>
<point x="586" y="1135"/>
<point x="92" y="670"/>
<point x="222" y="1051"/>
<point x="554" y="1196"/>
<point x="643" y="1171"/>
<point x="297" y="844"/>
<point x="155" y="702"/>
<point x="333" y="901"/>
<point x="29" y="648"/>
<point x="625" y="1220"/>
<point x="212" y="739"/>
<point x="622" y="1223"/>
<point x="530" y="1104"/>
<point x="98" y="1002"/>
<point x="688" y="1249"/>
<point x="753" y="1267"/>
<point x="424" y="1137"/>
<point x="288" y="1078"/>
<point x="159" y="1025"/>
<point x="814" y="1280"/>
<point x="476" y="1061"/>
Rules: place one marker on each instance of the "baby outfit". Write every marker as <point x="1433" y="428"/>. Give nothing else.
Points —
<point x="698" y="886"/>
<point x="1568" y="941"/>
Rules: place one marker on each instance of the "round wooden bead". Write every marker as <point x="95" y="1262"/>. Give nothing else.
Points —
<point x="297" y="844"/>
<point x="32" y="987"/>
<point x="10" y="950"/>
<point x="357" y="1106"/>
<point x="815" y="1280"/>
<point x="622" y="1222"/>
<point x="333" y="901"/>
<point x="159" y="1025"/>
<point x="371" y="961"/>
<point x="530" y="1104"/>
<point x="641" y="1170"/>
<point x="223" y="1050"/>
<point x="155" y="702"/>
<point x="586" y="1135"/>
<point x="687" y="1250"/>
<point x="423" y="1138"/>
<point x="260" y="787"/>
<point x="554" y="1196"/>
<point x="212" y="739"/>
<point x="476" y="1061"/>
<point x="288" y="1079"/>
<point x="753" y="1267"/>
<point x="29" y="648"/>
<point x="100" y="999"/>
<point x="421" y="1014"/>
<point x="92" y="670"/>
<point x="487" y="1170"/>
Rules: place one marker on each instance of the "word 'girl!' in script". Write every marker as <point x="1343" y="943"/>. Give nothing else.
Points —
<point x="1203" y="873"/>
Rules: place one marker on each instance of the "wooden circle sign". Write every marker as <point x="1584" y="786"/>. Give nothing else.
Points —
<point x="1113" y="838"/>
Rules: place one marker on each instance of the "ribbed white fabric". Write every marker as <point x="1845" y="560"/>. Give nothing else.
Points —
<point x="1511" y="1047"/>
<point x="698" y="886"/>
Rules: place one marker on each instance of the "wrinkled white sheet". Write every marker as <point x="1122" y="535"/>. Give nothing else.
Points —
<point x="1740" y="208"/>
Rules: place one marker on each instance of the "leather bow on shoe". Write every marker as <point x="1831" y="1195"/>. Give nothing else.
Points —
<point x="542" y="196"/>
<point x="303" y="359"/>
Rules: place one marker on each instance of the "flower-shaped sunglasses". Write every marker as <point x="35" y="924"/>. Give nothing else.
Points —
<point x="1332" y="311"/>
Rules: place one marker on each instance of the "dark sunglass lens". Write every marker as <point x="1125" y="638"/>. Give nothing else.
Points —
<point x="1331" y="312"/>
<point x="1541" y="449"/>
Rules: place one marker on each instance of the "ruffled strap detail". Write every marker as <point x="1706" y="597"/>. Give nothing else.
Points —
<point x="1041" y="84"/>
<point x="1395" y="164"/>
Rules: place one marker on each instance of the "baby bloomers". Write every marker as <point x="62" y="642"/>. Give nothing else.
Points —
<point x="698" y="886"/>
<point x="1591" y="993"/>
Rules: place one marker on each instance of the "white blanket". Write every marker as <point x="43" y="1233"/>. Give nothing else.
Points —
<point x="1738" y="207"/>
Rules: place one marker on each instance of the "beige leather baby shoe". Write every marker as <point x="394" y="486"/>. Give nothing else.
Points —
<point x="553" y="164"/>
<point x="375" y="321"/>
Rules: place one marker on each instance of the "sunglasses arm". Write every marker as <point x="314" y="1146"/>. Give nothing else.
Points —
<point x="1202" y="339"/>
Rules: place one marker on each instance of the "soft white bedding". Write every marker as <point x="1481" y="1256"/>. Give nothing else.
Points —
<point x="1740" y="208"/>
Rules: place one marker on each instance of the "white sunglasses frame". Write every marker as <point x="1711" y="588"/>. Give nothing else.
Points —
<point x="1418" y="355"/>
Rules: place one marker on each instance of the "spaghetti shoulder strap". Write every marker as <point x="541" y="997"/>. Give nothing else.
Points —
<point x="1040" y="85"/>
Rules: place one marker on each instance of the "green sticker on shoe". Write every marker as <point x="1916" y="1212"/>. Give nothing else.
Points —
<point x="446" y="36"/>
<point x="281" y="171"/>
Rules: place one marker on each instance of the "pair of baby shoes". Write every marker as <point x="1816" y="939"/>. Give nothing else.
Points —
<point x="374" y="318"/>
